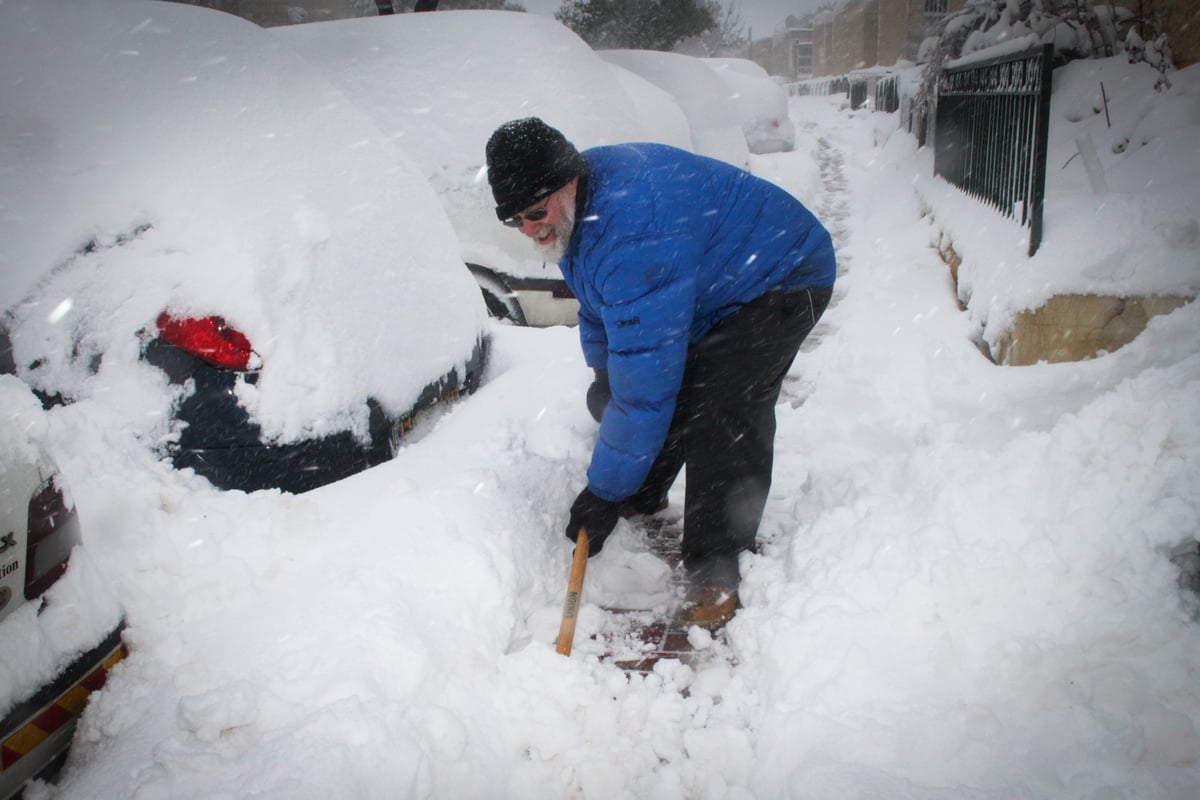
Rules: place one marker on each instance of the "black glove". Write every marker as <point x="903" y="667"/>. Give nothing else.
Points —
<point x="598" y="394"/>
<point x="598" y="517"/>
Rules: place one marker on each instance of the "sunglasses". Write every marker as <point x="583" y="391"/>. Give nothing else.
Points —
<point x="536" y="215"/>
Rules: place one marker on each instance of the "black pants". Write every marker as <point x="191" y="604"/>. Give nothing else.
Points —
<point x="724" y="429"/>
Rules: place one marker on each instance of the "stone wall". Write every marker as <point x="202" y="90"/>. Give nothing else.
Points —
<point x="1069" y="327"/>
<point x="1076" y="327"/>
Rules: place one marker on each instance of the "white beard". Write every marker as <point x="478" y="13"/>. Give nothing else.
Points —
<point x="562" y="234"/>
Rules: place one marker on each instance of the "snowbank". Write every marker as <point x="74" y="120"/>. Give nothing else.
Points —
<point x="1121" y="214"/>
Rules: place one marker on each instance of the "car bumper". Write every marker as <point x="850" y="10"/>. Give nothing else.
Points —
<point x="292" y="468"/>
<point x="222" y="444"/>
<point x="38" y="731"/>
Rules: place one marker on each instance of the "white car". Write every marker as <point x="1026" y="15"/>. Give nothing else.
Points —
<point x="223" y="251"/>
<point x="60" y="624"/>
<point x="761" y="102"/>
<point x="715" y="121"/>
<point x="440" y="84"/>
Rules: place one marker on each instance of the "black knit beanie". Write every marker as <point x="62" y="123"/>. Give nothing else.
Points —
<point x="527" y="160"/>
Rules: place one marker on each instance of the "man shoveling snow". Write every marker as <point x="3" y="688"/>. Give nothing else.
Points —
<point x="697" y="282"/>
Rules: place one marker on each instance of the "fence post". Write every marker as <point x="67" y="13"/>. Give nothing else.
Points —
<point x="1041" y="145"/>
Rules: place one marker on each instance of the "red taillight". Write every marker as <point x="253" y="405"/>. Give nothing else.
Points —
<point x="53" y="532"/>
<point x="208" y="338"/>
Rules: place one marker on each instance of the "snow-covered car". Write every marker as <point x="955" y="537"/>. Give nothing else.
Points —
<point x="221" y="245"/>
<point x="658" y="109"/>
<point x="60" y="623"/>
<point x="440" y="84"/>
<point x="761" y="102"/>
<point x="715" y="122"/>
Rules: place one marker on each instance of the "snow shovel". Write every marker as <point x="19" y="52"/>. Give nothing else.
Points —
<point x="566" y="631"/>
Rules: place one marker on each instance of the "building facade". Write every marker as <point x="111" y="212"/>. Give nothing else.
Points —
<point x="860" y="34"/>
<point x="800" y="50"/>
<point x="270" y="13"/>
<point x="867" y="33"/>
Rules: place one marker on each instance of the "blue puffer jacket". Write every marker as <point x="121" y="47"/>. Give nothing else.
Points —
<point x="668" y="243"/>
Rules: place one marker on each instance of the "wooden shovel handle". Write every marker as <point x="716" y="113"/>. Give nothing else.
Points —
<point x="566" y="632"/>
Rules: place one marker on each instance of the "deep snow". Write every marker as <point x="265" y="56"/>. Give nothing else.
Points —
<point x="963" y="590"/>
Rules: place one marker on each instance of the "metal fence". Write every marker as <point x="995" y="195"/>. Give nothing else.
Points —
<point x="820" y="87"/>
<point x="887" y="93"/>
<point x="990" y="123"/>
<point x="915" y="113"/>
<point x="859" y="89"/>
<point x="865" y="87"/>
<point x="990" y="134"/>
